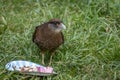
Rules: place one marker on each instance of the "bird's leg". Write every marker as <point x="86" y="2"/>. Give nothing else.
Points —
<point x="51" y="58"/>
<point x="42" y="53"/>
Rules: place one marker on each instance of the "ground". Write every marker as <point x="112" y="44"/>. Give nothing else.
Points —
<point x="92" y="39"/>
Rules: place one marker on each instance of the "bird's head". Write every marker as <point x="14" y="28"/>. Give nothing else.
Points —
<point x="56" y="25"/>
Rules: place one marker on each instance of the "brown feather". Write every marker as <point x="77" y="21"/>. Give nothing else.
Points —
<point x="47" y="39"/>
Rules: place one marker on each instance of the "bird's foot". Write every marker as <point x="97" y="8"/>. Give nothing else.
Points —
<point x="43" y="63"/>
<point x="49" y="64"/>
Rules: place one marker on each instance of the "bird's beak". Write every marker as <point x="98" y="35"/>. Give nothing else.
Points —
<point x="62" y="26"/>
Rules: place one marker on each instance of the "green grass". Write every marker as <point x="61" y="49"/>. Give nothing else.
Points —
<point x="92" y="38"/>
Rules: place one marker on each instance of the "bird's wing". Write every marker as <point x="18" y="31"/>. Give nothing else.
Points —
<point x="34" y="34"/>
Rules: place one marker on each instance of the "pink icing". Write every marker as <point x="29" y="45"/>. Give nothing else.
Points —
<point x="45" y="69"/>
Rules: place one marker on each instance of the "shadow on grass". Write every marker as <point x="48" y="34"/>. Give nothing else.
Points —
<point x="19" y="76"/>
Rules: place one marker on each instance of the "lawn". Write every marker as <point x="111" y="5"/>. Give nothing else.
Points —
<point x="92" y="39"/>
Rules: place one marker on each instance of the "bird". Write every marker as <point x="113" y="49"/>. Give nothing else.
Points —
<point x="48" y="37"/>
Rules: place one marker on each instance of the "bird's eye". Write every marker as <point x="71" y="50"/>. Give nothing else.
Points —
<point x="55" y="22"/>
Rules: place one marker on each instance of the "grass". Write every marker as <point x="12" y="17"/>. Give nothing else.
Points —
<point x="92" y="39"/>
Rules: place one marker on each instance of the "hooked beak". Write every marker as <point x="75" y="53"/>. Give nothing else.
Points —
<point x="62" y="26"/>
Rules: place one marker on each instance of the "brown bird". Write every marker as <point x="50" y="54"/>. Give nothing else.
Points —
<point x="48" y="37"/>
